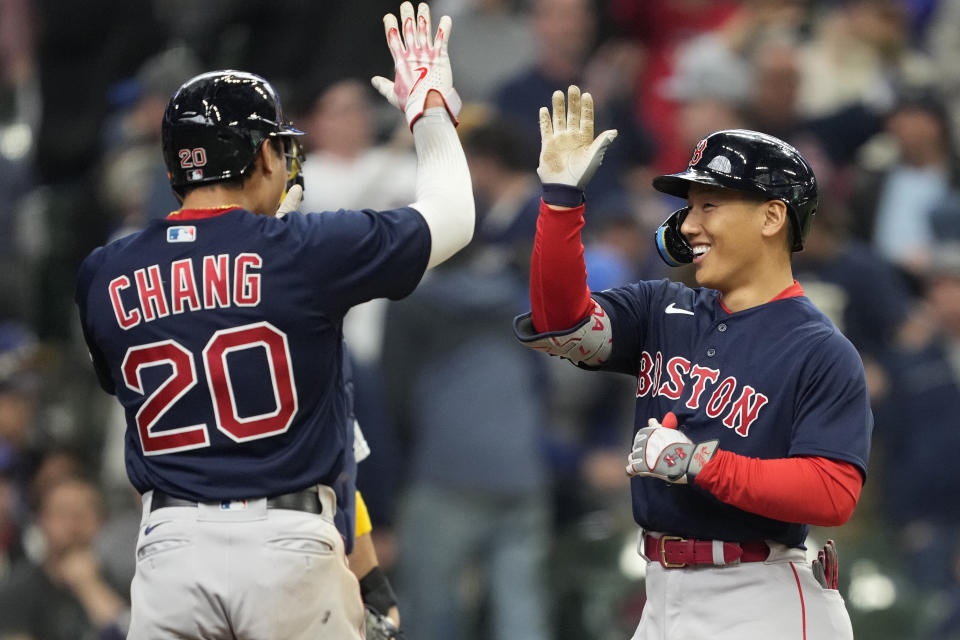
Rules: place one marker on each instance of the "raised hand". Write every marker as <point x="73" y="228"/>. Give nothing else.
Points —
<point x="421" y="63"/>
<point x="568" y="152"/>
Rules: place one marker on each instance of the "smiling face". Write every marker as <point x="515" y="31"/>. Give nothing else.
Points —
<point x="725" y="229"/>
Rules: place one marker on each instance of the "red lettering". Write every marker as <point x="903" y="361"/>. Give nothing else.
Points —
<point x="721" y="396"/>
<point x="183" y="287"/>
<point x="246" y="292"/>
<point x="701" y="375"/>
<point x="152" y="302"/>
<point x="673" y="387"/>
<point x="645" y="377"/>
<point x="182" y="378"/>
<point x="124" y="319"/>
<point x="743" y="413"/>
<point x="657" y="370"/>
<point x="274" y="343"/>
<point x="216" y="287"/>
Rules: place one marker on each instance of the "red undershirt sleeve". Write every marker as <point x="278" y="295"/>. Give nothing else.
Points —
<point x="809" y="490"/>
<point x="559" y="296"/>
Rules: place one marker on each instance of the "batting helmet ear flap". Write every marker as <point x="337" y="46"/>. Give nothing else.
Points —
<point x="671" y="245"/>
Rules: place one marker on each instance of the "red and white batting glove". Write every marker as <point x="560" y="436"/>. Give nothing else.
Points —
<point x="421" y="63"/>
<point x="666" y="453"/>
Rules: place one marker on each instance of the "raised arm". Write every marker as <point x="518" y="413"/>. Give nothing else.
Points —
<point x="423" y="89"/>
<point x="569" y="157"/>
<point x="561" y="307"/>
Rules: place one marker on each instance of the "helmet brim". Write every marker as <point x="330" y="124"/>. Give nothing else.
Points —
<point x="287" y="130"/>
<point x="678" y="184"/>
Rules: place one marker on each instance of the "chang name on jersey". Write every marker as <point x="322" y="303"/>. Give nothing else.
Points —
<point x="210" y="282"/>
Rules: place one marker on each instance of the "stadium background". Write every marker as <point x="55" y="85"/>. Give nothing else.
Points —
<point x="868" y="90"/>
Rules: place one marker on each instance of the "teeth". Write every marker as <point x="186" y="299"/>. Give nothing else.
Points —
<point x="700" y="250"/>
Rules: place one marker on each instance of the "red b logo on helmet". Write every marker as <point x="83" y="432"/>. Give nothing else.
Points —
<point x="698" y="152"/>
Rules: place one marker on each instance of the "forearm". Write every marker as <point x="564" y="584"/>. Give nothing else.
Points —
<point x="364" y="556"/>
<point x="444" y="191"/>
<point x="374" y="586"/>
<point x="559" y="296"/>
<point x="809" y="490"/>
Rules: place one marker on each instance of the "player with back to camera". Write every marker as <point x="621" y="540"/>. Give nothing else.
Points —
<point x="766" y="422"/>
<point x="219" y="331"/>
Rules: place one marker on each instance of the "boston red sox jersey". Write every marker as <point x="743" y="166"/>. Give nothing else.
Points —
<point x="221" y="337"/>
<point x="773" y="381"/>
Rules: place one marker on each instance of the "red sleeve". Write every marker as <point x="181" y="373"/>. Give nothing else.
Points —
<point x="808" y="490"/>
<point x="559" y="296"/>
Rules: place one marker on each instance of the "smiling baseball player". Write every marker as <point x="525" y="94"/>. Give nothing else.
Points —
<point x="766" y="421"/>
<point x="219" y="329"/>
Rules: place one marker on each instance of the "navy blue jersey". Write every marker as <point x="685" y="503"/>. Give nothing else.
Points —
<point x="221" y="337"/>
<point x="774" y="381"/>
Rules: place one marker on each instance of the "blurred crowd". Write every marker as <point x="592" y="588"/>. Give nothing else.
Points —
<point x="496" y="483"/>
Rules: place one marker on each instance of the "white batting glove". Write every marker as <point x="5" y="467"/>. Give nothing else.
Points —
<point x="291" y="201"/>
<point x="420" y="61"/>
<point x="568" y="153"/>
<point x="667" y="454"/>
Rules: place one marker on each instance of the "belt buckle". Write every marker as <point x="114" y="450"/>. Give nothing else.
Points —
<point x="663" y="552"/>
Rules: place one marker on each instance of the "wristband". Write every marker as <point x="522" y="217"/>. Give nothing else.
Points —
<point x="377" y="592"/>
<point x="562" y="195"/>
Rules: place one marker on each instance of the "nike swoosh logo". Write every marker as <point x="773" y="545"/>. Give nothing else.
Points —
<point x="147" y="531"/>
<point x="423" y="74"/>
<point x="672" y="308"/>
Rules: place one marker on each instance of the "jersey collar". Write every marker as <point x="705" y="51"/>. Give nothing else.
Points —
<point x="793" y="291"/>
<point x="199" y="214"/>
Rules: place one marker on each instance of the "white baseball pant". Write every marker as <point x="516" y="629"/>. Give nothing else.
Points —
<point x="242" y="571"/>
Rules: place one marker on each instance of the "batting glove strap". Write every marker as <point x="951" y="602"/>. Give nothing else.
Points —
<point x="562" y="195"/>
<point x="699" y="457"/>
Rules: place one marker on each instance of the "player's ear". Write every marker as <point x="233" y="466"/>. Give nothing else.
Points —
<point x="269" y="158"/>
<point x="775" y="218"/>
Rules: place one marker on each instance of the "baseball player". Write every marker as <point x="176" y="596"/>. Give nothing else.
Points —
<point x="219" y="331"/>
<point x="752" y="415"/>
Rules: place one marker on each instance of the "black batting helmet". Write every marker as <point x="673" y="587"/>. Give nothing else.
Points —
<point x="746" y="161"/>
<point x="216" y="122"/>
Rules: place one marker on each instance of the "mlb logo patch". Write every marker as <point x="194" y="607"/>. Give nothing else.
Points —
<point x="187" y="233"/>
<point x="196" y="174"/>
<point x="233" y="505"/>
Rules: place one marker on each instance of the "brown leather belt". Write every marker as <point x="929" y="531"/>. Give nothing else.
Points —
<point x="674" y="552"/>
<point x="305" y="500"/>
